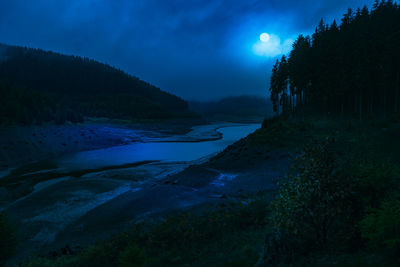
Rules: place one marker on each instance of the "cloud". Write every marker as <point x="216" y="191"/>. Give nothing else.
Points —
<point x="196" y="49"/>
<point x="274" y="47"/>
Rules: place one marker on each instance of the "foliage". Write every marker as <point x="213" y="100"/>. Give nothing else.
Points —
<point x="67" y="88"/>
<point x="234" y="107"/>
<point x="7" y="240"/>
<point x="132" y="256"/>
<point x="24" y="106"/>
<point x="188" y="238"/>
<point x="376" y="181"/>
<point x="351" y="68"/>
<point x="352" y="183"/>
<point x="314" y="199"/>
<point x="104" y="253"/>
<point x="45" y="262"/>
<point x="381" y="227"/>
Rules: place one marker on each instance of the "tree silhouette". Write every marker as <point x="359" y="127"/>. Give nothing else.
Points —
<point x="352" y="68"/>
<point x="81" y="86"/>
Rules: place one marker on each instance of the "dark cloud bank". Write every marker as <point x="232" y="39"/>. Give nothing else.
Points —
<point x="195" y="49"/>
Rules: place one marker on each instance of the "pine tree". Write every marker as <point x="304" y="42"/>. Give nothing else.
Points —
<point x="352" y="68"/>
<point x="274" y="91"/>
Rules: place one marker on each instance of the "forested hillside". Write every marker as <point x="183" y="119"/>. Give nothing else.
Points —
<point x="42" y="86"/>
<point x="352" y="68"/>
<point x="235" y="107"/>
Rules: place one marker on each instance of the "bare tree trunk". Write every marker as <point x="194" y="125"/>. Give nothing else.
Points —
<point x="294" y="103"/>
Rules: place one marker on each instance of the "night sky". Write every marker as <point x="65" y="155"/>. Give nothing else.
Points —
<point x="197" y="49"/>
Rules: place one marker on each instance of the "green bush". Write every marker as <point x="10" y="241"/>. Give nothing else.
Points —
<point x="230" y="233"/>
<point x="331" y="203"/>
<point x="381" y="227"/>
<point x="315" y="199"/>
<point x="64" y="261"/>
<point x="272" y="121"/>
<point x="26" y="107"/>
<point x="376" y="181"/>
<point x="7" y="240"/>
<point x="103" y="253"/>
<point x="132" y="256"/>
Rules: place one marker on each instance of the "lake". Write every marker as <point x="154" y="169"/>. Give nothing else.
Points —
<point x="163" y="150"/>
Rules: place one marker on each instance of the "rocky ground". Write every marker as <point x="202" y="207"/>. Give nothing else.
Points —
<point x="20" y="145"/>
<point x="77" y="211"/>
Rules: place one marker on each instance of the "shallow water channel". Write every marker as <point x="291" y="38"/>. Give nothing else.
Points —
<point x="163" y="150"/>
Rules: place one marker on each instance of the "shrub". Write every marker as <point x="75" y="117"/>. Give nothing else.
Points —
<point x="314" y="201"/>
<point x="64" y="261"/>
<point x="104" y="253"/>
<point x="381" y="227"/>
<point x="132" y="256"/>
<point x="272" y="121"/>
<point x="375" y="181"/>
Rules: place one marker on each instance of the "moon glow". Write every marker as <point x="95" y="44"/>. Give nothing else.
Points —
<point x="264" y="37"/>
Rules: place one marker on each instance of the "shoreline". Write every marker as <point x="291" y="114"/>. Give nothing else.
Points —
<point x="141" y="191"/>
<point x="21" y="181"/>
<point x="21" y="145"/>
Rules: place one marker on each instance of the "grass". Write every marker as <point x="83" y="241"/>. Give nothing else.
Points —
<point x="380" y="137"/>
<point x="231" y="234"/>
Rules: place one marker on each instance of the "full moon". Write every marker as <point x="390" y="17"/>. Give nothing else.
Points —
<point x="264" y="37"/>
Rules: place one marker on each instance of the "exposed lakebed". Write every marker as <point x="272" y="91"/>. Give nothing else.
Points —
<point x="118" y="184"/>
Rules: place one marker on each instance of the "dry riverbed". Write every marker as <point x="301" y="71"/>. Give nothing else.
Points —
<point x="25" y="144"/>
<point x="76" y="210"/>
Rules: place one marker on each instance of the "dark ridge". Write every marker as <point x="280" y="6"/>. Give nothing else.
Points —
<point x="76" y="87"/>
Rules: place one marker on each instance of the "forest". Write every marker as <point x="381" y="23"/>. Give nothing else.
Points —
<point x="39" y="86"/>
<point x="234" y="108"/>
<point x="351" y="68"/>
<point x="315" y="185"/>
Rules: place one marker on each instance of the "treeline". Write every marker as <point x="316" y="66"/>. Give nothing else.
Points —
<point x="22" y="106"/>
<point x="347" y="69"/>
<point x="234" y="106"/>
<point x="68" y="84"/>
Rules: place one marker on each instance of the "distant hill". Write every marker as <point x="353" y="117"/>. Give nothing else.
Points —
<point x="235" y="108"/>
<point x="39" y="86"/>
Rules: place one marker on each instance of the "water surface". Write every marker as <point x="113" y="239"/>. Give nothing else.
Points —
<point x="156" y="151"/>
